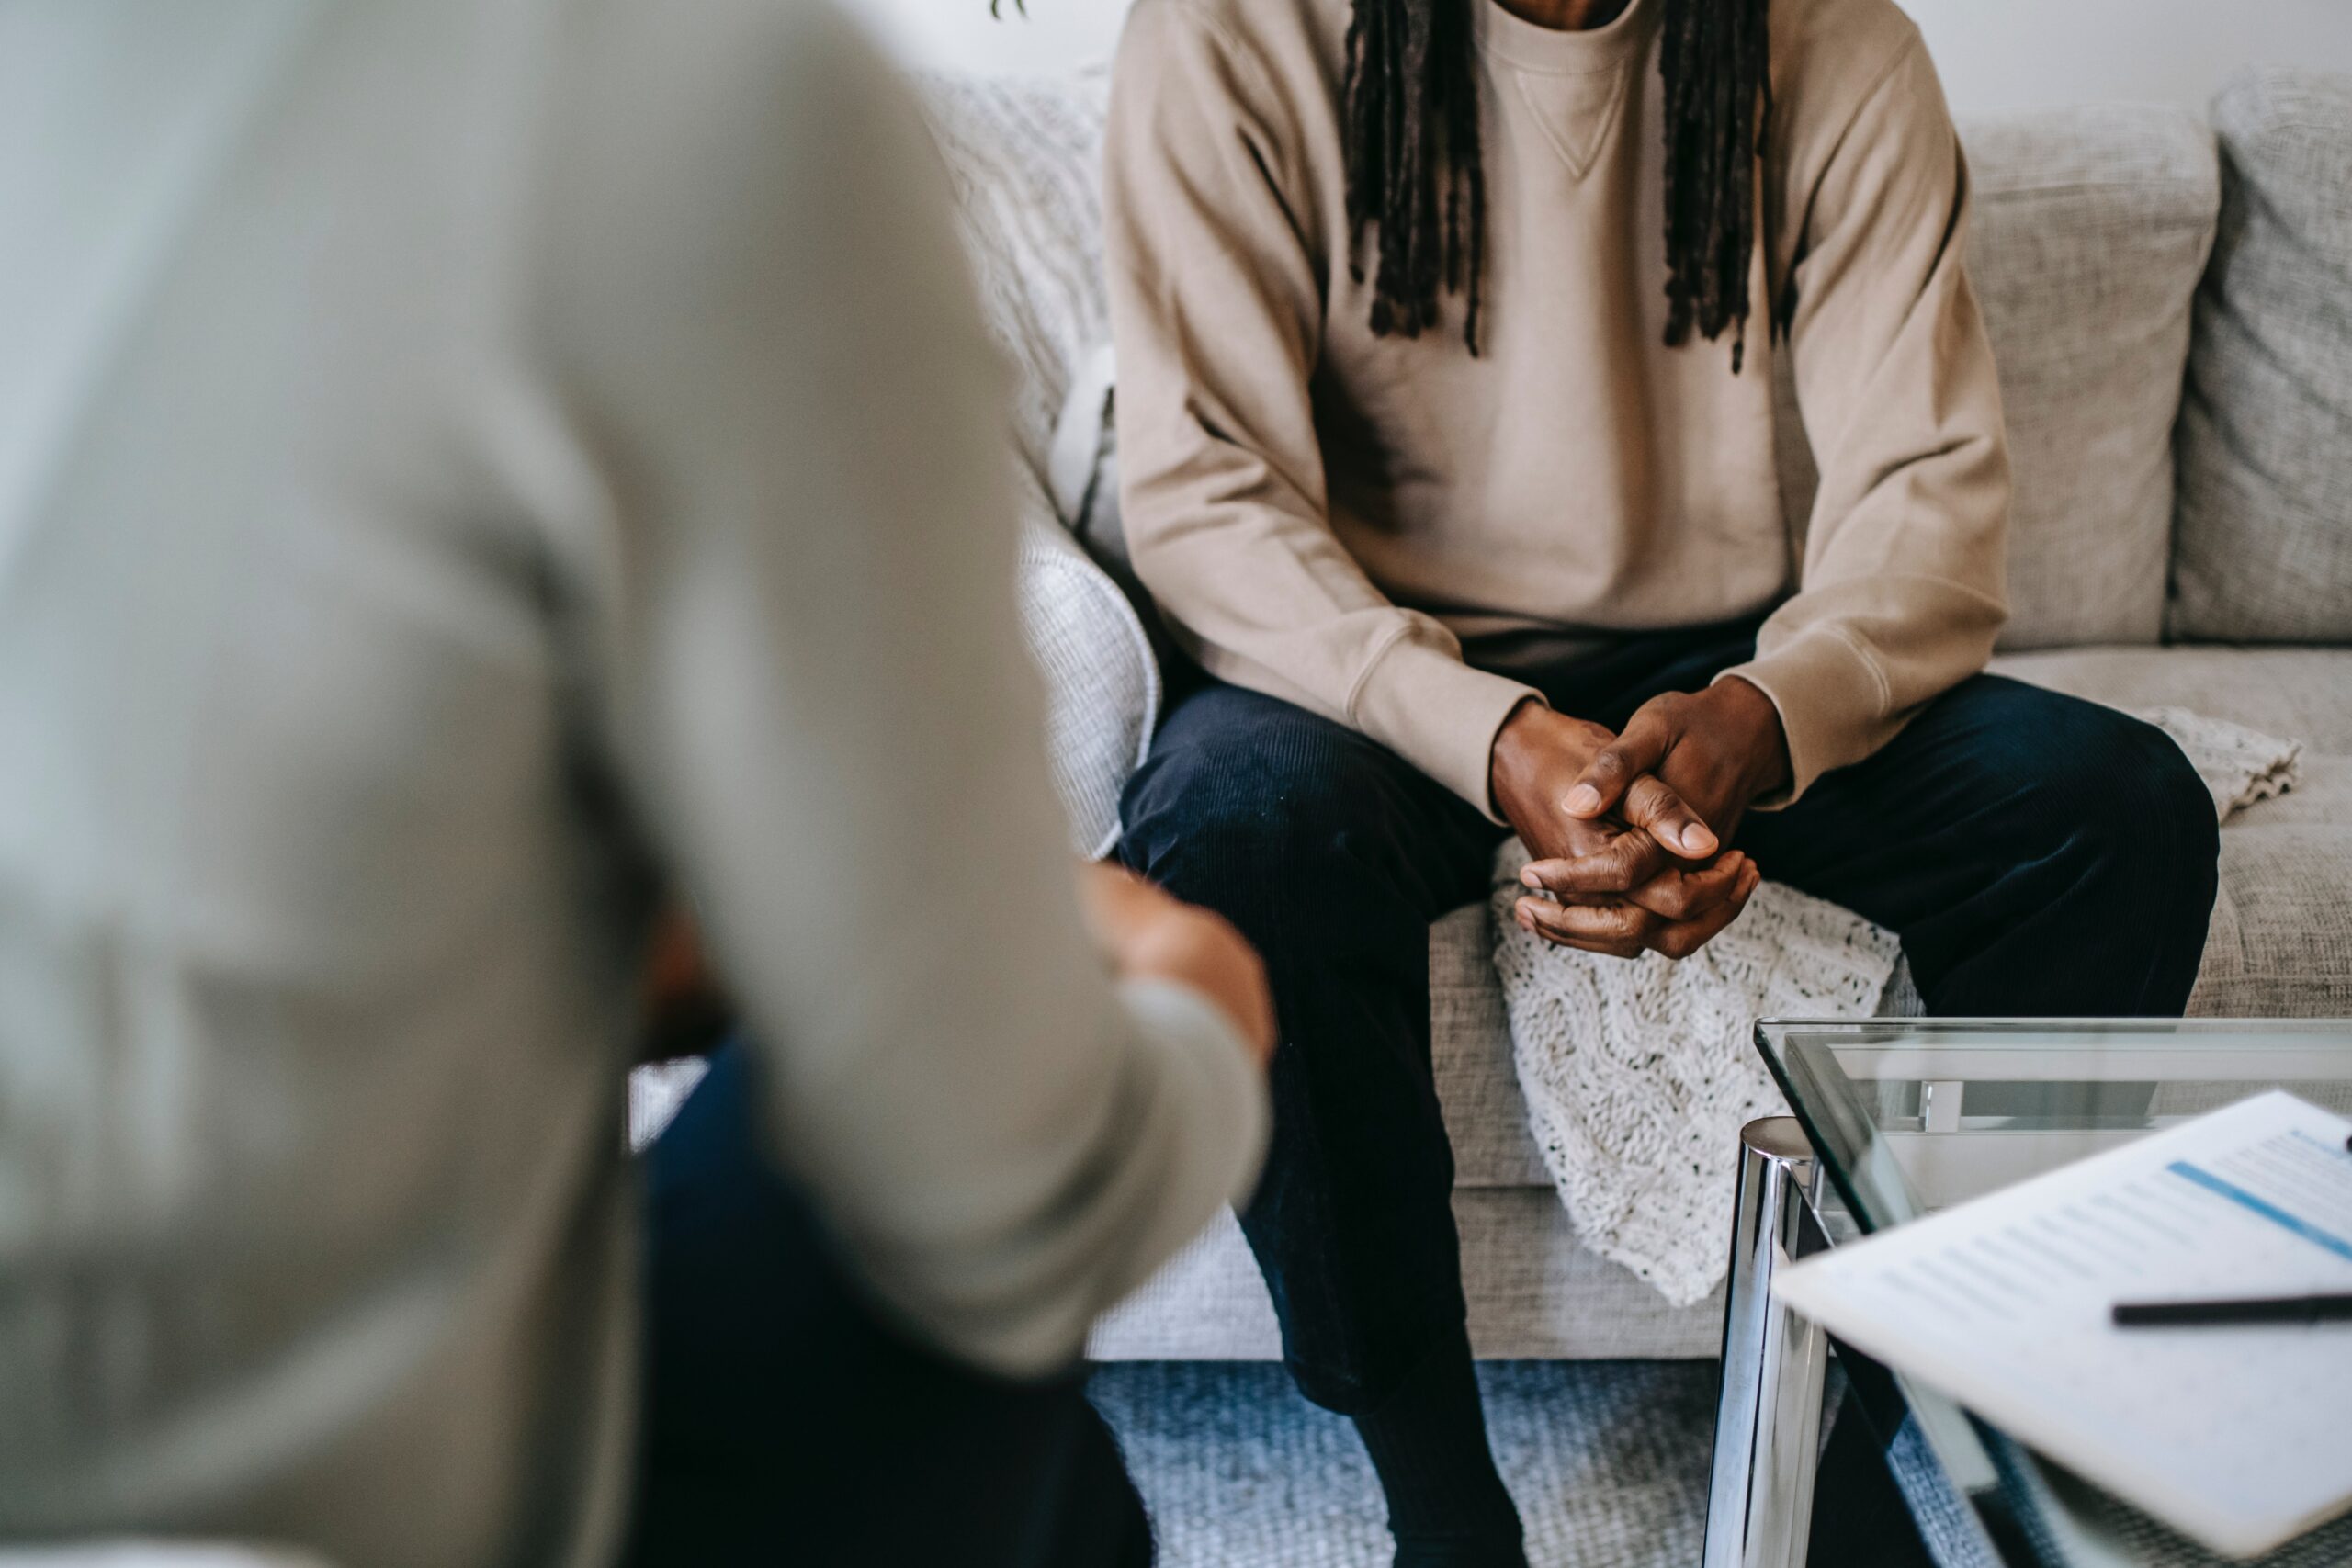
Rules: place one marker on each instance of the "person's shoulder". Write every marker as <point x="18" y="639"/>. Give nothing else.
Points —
<point x="1828" y="56"/>
<point x="703" y="51"/>
<point x="1835" y="61"/>
<point x="679" y="140"/>
<point x="761" y="81"/>
<point x="1251" y="20"/>
<point x="1838" y="36"/>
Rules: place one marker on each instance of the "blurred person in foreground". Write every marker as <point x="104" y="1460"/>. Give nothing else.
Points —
<point x="468" y="469"/>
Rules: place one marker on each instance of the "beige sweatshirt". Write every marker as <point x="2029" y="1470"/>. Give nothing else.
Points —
<point x="1339" y="519"/>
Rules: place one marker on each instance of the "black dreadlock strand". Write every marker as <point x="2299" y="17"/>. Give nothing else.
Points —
<point x="1417" y="183"/>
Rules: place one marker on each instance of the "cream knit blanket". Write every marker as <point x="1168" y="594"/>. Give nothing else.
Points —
<point x="1638" y="1075"/>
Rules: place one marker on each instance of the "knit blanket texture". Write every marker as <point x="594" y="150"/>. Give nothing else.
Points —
<point x="1638" y="1075"/>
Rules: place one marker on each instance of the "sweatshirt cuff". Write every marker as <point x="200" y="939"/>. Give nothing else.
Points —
<point x="1832" y="702"/>
<point x="1438" y="714"/>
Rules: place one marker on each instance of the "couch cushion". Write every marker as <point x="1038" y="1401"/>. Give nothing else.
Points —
<point x="2302" y="693"/>
<point x="1101" y="680"/>
<point x="2264" y="551"/>
<point x="1021" y="155"/>
<point x="2281" y="939"/>
<point x="1470" y="1041"/>
<point x="2091" y="228"/>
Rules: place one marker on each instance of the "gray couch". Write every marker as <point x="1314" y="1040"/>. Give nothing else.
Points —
<point x="2170" y="299"/>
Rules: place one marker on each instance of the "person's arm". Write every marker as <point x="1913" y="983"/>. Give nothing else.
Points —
<point x="1216" y="306"/>
<point x="807" y="660"/>
<point x="1902" y="588"/>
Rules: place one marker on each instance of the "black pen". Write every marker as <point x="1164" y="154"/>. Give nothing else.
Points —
<point x="2336" y="1308"/>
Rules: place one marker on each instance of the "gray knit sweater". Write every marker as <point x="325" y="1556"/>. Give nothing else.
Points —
<point x="464" y="465"/>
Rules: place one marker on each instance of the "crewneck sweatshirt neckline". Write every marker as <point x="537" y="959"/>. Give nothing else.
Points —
<point x="1564" y="52"/>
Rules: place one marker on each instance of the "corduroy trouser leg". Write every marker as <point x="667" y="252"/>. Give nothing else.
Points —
<point x="2037" y="854"/>
<point x="787" y="1421"/>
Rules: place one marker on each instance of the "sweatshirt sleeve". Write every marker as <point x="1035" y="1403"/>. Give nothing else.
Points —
<point x="1901" y="586"/>
<point x="1215" y="304"/>
<point x="808" y="664"/>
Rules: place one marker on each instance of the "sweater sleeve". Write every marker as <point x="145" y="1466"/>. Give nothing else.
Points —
<point x="1901" y="587"/>
<point x="1215" y="303"/>
<point x="810" y="670"/>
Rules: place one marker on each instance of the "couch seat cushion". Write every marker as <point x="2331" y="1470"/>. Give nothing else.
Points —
<point x="2281" y="941"/>
<point x="2303" y="693"/>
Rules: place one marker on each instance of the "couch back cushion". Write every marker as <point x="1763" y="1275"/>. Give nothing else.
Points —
<point x="2264" y="552"/>
<point x="2090" y="230"/>
<point x="1023" y="155"/>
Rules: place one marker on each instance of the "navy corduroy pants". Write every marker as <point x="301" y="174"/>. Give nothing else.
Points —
<point x="2036" y="853"/>
<point x="788" y="1420"/>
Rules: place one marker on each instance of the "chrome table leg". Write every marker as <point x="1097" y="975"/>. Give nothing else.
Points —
<point x="1768" y="1424"/>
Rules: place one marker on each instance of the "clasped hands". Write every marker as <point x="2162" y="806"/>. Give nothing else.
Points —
<point x="1630" y="833"/>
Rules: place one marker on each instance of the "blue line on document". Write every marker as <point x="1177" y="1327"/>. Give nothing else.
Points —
<point x="2271" y="1211"/>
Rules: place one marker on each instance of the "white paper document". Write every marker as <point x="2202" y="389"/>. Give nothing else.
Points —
<point x="2238" y="1437"/>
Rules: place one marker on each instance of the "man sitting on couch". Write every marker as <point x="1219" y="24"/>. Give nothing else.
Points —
<point x="1446" y="332"/>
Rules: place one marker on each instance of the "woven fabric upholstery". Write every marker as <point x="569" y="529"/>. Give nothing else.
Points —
<point x="2264" y="551"/>
<point x="2091" y="226"/>
<point x="2281" y="939"/>
<point x="2303" y="692"/>
<point x="1022" y="156"/>
<point x="1101" y="683"/>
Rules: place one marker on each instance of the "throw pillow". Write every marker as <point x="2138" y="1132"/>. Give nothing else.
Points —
<point x="2264" y="551"/>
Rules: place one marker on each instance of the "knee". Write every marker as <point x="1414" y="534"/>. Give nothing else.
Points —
<point x="2137" y="822"/>
<point x="1232" y="816"/>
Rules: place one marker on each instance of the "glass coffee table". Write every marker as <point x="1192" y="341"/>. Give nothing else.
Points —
<point x="1896" y="1117"/>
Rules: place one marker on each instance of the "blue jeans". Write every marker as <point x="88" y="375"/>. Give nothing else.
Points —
<point x="2037" y="854"/>
<point x="788" y="1421"/>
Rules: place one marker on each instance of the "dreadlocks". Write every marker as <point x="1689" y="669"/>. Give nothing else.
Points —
<point x="1416" y="182"/>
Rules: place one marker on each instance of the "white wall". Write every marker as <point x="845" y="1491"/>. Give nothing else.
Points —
<point x="1993" y="55"/>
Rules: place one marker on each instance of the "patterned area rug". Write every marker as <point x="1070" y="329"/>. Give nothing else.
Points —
<point x="1608" y="1461"/>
